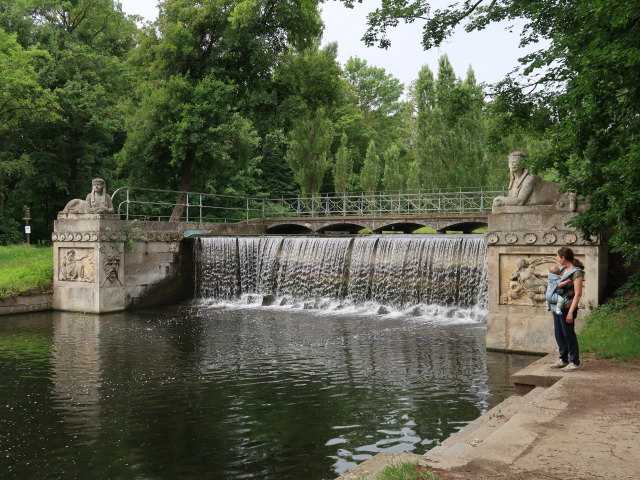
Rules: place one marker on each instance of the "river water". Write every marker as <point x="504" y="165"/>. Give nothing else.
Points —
<point x="206" y="391"/>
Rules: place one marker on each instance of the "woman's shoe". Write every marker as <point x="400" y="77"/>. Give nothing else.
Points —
<point x="571" y="367"/>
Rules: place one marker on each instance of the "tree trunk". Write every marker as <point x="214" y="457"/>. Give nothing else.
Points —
<point x="185" y="185"/>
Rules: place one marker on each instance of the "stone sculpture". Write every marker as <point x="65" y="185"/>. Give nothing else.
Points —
<point x="97" y="202"/>
<point x="526" y="280"/>
<point x="76" y="267"/>
<point x="525" y="189"/>
<point x="111" y="267"/>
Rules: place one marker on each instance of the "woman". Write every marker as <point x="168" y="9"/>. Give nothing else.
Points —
<point x="564" y="323"/>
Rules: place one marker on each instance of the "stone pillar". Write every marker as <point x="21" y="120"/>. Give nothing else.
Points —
<point x="88" y="265"/>
<point x="104" y="264"/>
<point x="518" y="319"/>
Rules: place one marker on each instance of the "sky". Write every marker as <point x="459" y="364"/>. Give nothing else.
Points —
<point x="492" y="52"/>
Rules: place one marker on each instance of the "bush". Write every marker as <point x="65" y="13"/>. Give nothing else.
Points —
<point x="10" y="231"/>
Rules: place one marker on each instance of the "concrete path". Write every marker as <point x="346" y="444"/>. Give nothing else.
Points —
<point x="578" y="425"/>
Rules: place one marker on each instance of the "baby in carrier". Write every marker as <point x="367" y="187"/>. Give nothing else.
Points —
<point x="554" y="289"/>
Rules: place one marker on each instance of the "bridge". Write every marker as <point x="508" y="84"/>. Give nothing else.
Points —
<point x="461" y="209"/>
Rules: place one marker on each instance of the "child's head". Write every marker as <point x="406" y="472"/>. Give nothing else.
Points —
<point x="555" y="269"/>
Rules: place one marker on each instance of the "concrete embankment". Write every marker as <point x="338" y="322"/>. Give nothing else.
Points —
<point x="26" y="303"/>
<point x="580" y="425"/>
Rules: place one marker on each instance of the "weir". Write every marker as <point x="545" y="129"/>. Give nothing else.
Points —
<point x="104" y="264"/>
<point x="385" y="274"/>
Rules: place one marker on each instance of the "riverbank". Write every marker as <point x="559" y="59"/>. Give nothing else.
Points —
<point x="25" y="279"/>
<point x="30" y="302"/>
<point x="25" y="269"/>
<point x="581" y="425"/>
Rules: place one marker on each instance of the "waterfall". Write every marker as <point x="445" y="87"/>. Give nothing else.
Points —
<point x="397" y="273"/>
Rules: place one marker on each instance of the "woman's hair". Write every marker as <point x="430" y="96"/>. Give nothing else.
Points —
<point x="566" y="252"/>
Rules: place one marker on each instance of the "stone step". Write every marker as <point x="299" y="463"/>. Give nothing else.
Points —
<point x="484" y="425"/>
<point x="509" y="441"/>
<point x="461" y="447"/>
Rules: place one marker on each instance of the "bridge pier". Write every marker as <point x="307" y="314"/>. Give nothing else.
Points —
<point x="521" y="246"/>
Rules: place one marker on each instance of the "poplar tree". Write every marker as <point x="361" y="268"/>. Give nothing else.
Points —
<point x="309" y="143"/>
<point x="371" y="170"/>
<point x="343" y="168"/>
<point x="449" y="133"/>
<point x="393" y="178"/>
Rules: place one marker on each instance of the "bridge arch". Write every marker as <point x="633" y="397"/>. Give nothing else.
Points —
<point x="341" y="227"/>
<point x="405" y="227"/>
<point x="289" y="229"/>
<point x="464" y="227"/>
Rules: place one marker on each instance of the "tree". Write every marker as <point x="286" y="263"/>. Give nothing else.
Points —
<point x="181" y="129"/>
<point x="218" y="58"/>
<point x="375" y="89"/>
<point x="373" y="107"/>
<point x="394" y="175"/>
<point x="449" y="132"/>
<point x="371" y="170"/>
<point x="304" y="81"/>
<point x="84" y="77"/>
<point x="343" y="168"/>
<point x="309" y="143"/>
<point x="22" y="99"/>
<point x="591" y="82"/>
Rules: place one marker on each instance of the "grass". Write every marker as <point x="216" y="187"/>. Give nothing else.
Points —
<point x="405" y="471"/>
<point x="24" y="268"/>
<point x="613" y="329"/>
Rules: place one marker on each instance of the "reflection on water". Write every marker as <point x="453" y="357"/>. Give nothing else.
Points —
<point x="215" y="393"/>
<point x="77" y="378"/>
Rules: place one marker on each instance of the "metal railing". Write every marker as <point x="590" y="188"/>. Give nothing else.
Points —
<point x="157" y="205"/>
<point x="154" y="204"/>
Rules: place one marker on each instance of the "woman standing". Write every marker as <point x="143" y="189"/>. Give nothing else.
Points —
<point x="564" y="323"/>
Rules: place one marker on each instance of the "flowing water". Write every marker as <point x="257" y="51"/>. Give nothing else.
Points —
<point x="417" y="275"/>
<point x="300" y="358"/>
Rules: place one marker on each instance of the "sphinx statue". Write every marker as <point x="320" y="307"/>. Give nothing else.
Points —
<point x="97" y="202"/>
<point x="526" y="188"/>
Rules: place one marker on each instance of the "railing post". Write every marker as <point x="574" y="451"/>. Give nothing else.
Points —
<point x="187" y="206"/>
<point x="247" y="208"/>
<point x="127" y="203"/>
<point x="264" y="202"/>
<point x="200" y="208"/>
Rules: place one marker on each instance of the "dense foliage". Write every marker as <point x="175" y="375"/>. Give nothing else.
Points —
<point x="238" y="97"/>
<point x="63" y="76"/>
<point x="589" y="81"/>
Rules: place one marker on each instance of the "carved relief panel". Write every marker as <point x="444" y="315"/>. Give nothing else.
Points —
<point x="76" y="265"/>
<point x="523" y="279"/>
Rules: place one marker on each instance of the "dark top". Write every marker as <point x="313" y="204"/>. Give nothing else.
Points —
<point x="569" y="289"/>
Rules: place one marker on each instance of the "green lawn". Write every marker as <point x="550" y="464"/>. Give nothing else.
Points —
<point x="24" y="268"/>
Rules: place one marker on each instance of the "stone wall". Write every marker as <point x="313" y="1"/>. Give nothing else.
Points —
<point x="26" y="303"/>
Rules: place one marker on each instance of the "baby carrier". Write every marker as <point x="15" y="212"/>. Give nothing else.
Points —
<point x="553" y="293"/>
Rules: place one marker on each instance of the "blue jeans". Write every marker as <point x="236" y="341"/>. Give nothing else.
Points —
<point x="566" y="337"/>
